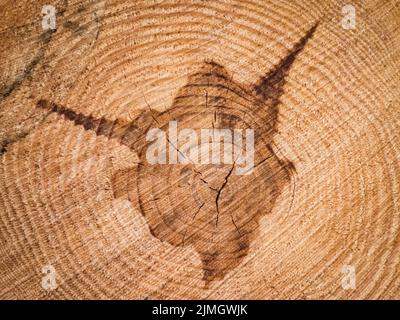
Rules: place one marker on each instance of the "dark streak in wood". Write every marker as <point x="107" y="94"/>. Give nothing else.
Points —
<point x="227" y="207"/>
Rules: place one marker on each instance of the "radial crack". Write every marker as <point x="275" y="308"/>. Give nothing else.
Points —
<point x="220" y="190"/>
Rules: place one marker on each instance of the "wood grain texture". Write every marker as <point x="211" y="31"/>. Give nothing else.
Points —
<point x="76" y="192"/>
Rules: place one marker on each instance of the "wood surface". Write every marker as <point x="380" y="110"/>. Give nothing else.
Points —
<point x="77" y="193"/>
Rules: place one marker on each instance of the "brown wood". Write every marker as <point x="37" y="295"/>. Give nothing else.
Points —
<point x="77" y="191"/>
